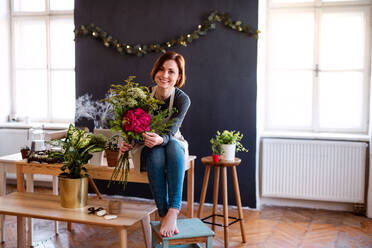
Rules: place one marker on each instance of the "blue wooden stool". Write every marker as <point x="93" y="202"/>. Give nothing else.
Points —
<point x="191" y="232"/>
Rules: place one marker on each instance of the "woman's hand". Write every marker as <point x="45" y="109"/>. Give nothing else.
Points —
<point x="152" y="139"/>
<point x="124" y="147"/>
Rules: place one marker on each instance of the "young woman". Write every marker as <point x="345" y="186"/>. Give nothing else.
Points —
<point x="164" y="156"/>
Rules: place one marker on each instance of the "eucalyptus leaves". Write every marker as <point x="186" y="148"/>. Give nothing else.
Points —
<point x="155" y="47"/>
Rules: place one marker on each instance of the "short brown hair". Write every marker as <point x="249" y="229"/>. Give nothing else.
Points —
<point x="180" y="61"/>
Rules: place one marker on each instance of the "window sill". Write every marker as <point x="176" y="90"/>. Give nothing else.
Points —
<point x="24" y="125"/>
<point x="316" y="136"/>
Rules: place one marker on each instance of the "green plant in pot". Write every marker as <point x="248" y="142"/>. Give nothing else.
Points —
<point x="112" y="150"/>
<point x="76" y="151"/>
<point x="230" y="142"/>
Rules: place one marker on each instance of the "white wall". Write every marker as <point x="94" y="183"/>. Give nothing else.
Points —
<point x="4" y="61"/>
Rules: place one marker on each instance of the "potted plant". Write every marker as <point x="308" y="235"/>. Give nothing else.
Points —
<point x="112" y="150"/>
<point x="25" y="151"/>
<point x="229" y="142"/>
<point x="76" y="151"/>
<point x="216" y="149"/>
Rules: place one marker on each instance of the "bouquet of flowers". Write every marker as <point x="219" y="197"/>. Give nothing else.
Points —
<point x="135" y="112"/>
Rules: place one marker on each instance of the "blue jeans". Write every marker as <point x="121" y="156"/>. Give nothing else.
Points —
<point x="165" y="170"/>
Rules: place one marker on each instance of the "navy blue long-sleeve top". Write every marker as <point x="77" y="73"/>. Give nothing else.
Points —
<point x="181" y="103"/>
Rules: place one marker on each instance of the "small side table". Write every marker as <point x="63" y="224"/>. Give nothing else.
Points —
<point x="208" y="162"/>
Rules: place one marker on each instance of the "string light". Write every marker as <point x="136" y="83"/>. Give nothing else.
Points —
<point x="207" y="26"/>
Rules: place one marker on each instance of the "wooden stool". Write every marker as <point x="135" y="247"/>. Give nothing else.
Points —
<point x="208" y="162"/>
<point x="191" y="231"/>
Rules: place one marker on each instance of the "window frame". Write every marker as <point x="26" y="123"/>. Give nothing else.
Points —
<point x="318" y="7"/>
<point x="48" y="15"/>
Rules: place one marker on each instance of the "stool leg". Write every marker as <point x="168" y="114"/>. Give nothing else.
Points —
<point x="154" y="240"/>
<point x="215" y="194"/>
<point x="225" y="207"/>
<point x="238" y="202"/>
<point x="165" y="244"/>
<point x="209" y="242"/>
<point x="204" y="190"/>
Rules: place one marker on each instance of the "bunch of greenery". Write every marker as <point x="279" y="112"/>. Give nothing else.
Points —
<point x="129" y="96"/>
<point x="227" y="137"/>
<point x="76" y="151"/>
<point x="113" y="143"/>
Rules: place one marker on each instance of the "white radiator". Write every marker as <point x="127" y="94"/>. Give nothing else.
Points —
<point x="314" y="170"/>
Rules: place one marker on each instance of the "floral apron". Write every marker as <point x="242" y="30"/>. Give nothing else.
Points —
<point x="135" y="153"/>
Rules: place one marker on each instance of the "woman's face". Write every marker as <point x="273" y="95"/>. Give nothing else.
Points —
<point x="168" y="75"/>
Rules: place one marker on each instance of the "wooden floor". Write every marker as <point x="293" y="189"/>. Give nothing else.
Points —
<point x="271" y="227"/>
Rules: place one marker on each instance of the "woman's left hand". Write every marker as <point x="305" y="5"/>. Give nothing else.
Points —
<point x="152" y="139"/>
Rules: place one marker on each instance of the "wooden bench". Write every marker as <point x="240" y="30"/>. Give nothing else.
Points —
<point x="96" y="172"/>
<point x="47" y="206"/>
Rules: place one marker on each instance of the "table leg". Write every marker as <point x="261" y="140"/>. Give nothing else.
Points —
<point x="21" y="231"/>
<point x="238" y="202"/>
<point x="2" y="179"/>
<point x="204" y="190"/>
<point x="225" y="207"/>
<point x="20" y="179"/>
<point x="2" y="192"/>
<point x="69" y="226"/>
<point x="55" y="192"/>
<point x="21" y="227"/>
<point x="146" y="229"/>
<point x="29" y="188"/>
<point x="123" y="238"/>
<point x="215" y="194"/>
<point x="190" y="190"/>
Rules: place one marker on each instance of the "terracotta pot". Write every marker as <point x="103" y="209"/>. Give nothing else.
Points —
<point x="25" y="153"/>
<point x="112" y="157"/>
<point x="216" y="158"/>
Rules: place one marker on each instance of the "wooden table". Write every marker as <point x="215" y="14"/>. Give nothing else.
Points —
<point x="104" y="172"/>
<point x="97" y="172"/>
<point x="7" y="164"/>
<point x="46" y="206"/>
<point x="208" y="162"/>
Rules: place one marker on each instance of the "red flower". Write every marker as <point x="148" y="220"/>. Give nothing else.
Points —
<point x="136" y="120"/>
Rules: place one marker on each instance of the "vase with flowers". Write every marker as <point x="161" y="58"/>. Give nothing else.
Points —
<point x="135" y="112"/>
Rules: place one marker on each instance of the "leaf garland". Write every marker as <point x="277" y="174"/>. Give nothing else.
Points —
<point x="184" y="40"/>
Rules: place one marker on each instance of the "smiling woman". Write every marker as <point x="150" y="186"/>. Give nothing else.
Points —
<point x="164" y="155"/>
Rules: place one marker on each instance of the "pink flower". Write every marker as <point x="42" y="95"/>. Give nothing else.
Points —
<point x="136" y="120"/>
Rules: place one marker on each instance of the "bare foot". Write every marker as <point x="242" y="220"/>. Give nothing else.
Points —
<point x="168" y="224"/>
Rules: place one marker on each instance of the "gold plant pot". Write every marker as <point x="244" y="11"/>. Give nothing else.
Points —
<point x="73" y="192"/>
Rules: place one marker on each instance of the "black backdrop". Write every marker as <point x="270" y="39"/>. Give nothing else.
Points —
<point x="220" y="73"/>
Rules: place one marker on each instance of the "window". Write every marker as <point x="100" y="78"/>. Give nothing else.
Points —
<point x="317" y="73"/>
<point x="43" y="60"/>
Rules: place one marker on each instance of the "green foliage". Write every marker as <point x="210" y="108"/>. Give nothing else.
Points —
<point x="216" y="146"/>
<point x="76" y="151"/>
<point x="113" y="143"/>
<point x="227" y="137"/>
<point x="183" y="40"/>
